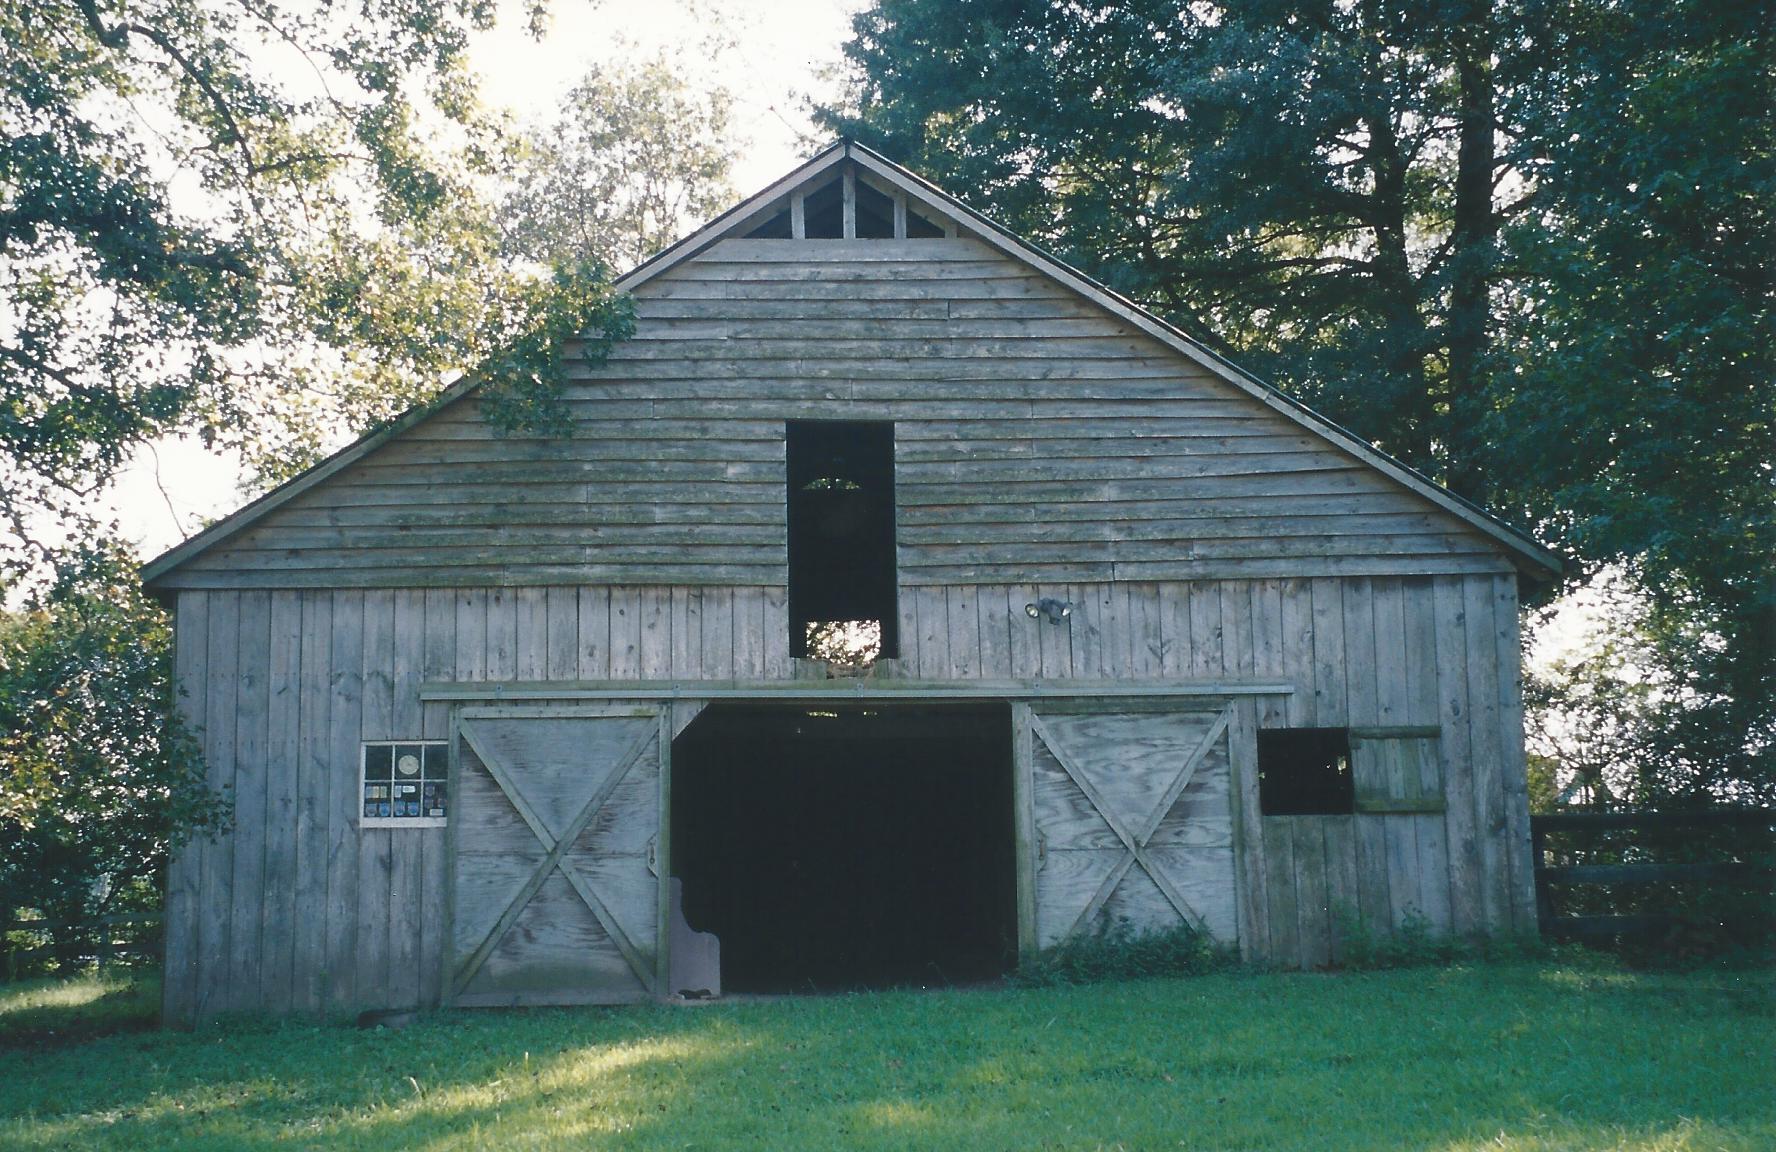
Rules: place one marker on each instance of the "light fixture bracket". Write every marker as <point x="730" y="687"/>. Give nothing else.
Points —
<point x="1050" y="609"/>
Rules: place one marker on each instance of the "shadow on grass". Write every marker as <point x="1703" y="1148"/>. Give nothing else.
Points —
<point x="1446" y="1058"/>
<point x="63" y="1010"/>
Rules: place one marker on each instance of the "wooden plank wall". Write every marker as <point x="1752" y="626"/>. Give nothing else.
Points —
<point x="1038" y="437"/>
<point x="300" y="909"/>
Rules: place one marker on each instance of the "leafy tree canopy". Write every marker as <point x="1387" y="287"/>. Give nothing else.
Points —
<point x="633" y="157"/>
<point x="268" y="225"/>
<point x="98" y="775"/>
<point x="262" y="223"/>
<point x="1522" y="244"/>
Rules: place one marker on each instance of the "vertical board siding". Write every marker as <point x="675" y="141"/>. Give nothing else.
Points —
<point x="185" y="868"/>
<point x="299" y="908"/>
<point x="282" y="764"/>
<point x="220" y="712"/>
<point x="314" y="761"/>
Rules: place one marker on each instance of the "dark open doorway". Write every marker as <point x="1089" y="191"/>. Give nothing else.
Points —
<point x="842" y="847"/>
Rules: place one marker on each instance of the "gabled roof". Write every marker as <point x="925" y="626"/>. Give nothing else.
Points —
<point x="1532" y="558"/>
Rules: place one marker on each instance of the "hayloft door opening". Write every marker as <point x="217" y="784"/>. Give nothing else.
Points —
<point x="837" y="846"/>
<point x="842" y="581"/>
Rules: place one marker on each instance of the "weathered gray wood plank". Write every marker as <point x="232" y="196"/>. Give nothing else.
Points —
<point x="962" y="608"/>
<point x="344" y="801"/>
<point x="282" y="769"/>
<point x="252" y="727"/>
<point x="1467" y="911"/>
<point x="1298" y="652"/>
<point x="439" y="663"/>
<point x="1422" y="670"/>
<point x="717" y="634"/>
<point x="595" y="633"/>
<point x="1391" y="665"/>
<point x="406" y="907"/>
<point x="1012" y="396"/>
<point x="1312" y="899"/>
<point x="185" y="869"/>
<point x="376" y="849"/>
<point x="221" y="666"/>
<point x="1253" y="877"/>
<point x="313" y="772"/>
<point x="1281" y="891"/>
<point x="1486" y="753"/>
<point x="625" y="632"/>
<point x="1512" y="767"/>
<point x="1342" y="896"/>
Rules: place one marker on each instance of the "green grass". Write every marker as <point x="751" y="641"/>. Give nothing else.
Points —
<point x="1526" y="1056"/>
<point x="63" y="1010"/>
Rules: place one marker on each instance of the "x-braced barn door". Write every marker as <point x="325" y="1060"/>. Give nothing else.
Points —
<point x="1130" y="820"/>
<point x="556" y="885"/>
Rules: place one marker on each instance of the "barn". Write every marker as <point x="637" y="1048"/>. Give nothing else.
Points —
<point x="904" y="602"/>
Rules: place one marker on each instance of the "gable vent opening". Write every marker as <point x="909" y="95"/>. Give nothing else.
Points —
<point x="823" y="215"/>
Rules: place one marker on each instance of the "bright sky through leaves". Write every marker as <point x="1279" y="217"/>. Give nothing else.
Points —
<point x="776" y="57"/>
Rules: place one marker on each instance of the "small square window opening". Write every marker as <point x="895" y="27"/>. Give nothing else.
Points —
<point x="1305" y="772"/>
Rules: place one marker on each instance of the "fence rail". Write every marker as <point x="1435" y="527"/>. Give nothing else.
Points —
<point x="101" y="932"/>
<point x="1750" y="830"/>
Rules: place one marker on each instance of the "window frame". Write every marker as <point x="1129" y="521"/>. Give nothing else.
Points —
<point x="364" y="781"/>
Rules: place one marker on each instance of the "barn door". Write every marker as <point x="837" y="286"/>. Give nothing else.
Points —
<point x="1131" y="821"/>
<point x="556" y="893"/>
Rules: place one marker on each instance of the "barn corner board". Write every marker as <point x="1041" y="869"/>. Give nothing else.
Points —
<point x="1153" y="644"/>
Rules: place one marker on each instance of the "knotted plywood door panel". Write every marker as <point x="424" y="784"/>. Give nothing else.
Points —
<point x="1133" y="821"/>
<point x="555" y="887"/>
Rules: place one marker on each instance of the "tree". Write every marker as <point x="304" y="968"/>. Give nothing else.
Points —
<point x="1521" y="245"/>
<point x="1638" y="400"/>
<point x="634" y="156"/>
<point x="1309" y="186"/>
<point x="238" y="219"/>
<point x="98" y="775"/>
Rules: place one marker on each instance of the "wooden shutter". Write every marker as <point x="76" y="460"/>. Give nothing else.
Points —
<point x="1397" y="770"/>
<point x="556" y="895"/>
<point x="1131" y="820"/>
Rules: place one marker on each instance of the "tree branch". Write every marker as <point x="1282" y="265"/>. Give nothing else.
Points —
<point x="117" y="37"/>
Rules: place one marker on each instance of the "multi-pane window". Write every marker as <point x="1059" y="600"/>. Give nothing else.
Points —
<point x="406" y="782"/>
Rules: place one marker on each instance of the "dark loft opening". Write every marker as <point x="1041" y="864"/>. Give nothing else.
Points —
<point x="1305" y="772"/>
<point x="823" y="212"/>
<point x="875" y="214"/>
<point x="834" y="847"/>
<point x="841" y="540"/>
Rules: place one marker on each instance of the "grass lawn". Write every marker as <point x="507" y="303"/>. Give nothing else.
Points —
<point x="1527" y="1056"/>
<point x="60" y="1010"/>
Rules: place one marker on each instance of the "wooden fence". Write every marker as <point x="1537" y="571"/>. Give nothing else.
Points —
<point x="104" y="940"/>
<point x="1667" y="868"/>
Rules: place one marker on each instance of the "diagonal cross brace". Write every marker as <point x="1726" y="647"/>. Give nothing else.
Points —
<point x="556" y="858"/>
<point x="1134" y="841"/>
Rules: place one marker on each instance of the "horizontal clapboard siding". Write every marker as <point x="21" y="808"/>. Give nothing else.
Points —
<point x="1038" y="437"/>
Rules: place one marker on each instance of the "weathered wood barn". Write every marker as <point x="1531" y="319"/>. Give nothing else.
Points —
<point x="1153" y="645"/>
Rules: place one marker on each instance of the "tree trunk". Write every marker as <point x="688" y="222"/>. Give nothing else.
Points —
<point x="1471" y="264"/>
<point x="1409" y="431"/>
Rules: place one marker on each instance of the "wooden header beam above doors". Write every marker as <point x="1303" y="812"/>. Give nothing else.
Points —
<point x="837" y="690"/>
